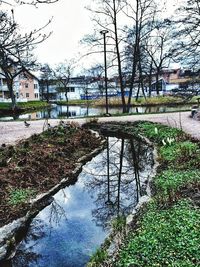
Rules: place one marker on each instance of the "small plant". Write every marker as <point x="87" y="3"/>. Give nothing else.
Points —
<point x="97" y="258"/>
<point x="19" y="196"/>
<point x="92" y="120"/>
<point x="157" y="132"/>
<point x="169" y="182"/>
<point x="168" y="237"/>
<point x="119" y="223"/>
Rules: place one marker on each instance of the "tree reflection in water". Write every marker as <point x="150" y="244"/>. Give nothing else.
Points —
<point x="26" y="256"/>
<point x="68" y="231"/>
<point x="117" y="179"/>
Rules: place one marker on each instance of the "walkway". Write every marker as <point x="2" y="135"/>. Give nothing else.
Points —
<point x="12" y="132"/>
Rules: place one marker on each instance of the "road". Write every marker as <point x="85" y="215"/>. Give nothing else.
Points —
<point x="12" y="132"/>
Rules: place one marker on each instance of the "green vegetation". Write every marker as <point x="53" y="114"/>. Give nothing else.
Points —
<point x="75" y="102"/>
<point x="19" y="196"/>
<point x="167" y="230"/>
<point x="168" y="237"/>
<point x="169" y="182"/>
<point x="24" y="105"/>
<point x="99" y="256"/>
<point x="32" y="104"/>
<point x="119" y="223"/>
<point x="116" y="101"/>
<point x="157" y="132"/>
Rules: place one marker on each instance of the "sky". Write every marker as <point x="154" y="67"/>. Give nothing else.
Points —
<point x="71" y="21"/>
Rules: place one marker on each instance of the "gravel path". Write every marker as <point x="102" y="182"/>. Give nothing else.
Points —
<point x="12" y="132"/>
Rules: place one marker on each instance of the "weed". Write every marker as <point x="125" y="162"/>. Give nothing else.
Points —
<point x="19" y="196"/>
<point x="97" y="258"/>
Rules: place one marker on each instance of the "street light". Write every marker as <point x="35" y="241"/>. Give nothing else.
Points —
<point x="103" y="32"/>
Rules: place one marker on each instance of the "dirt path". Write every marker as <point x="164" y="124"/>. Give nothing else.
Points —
<point x="12" y="132"/>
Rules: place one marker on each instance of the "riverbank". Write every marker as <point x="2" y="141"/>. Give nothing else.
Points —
<point x="165" y="232"/>
<point x="6" y="108"/>
<point x="141" y="102"/>
<point x="181" y="156"/>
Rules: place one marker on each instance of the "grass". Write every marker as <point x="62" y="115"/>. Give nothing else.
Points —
<point x="19" y="196"/>
<point x="169" y="237"/>
<point x="157" y="132"/>
<point x="116" y="101"/>
<point x="75" y="102"/>
<point x="168" y="233"/>
<point x="24" y="105"/>
<point x="169" y="182"/>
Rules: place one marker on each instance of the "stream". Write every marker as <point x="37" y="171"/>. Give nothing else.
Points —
<point x="68" y="231"/>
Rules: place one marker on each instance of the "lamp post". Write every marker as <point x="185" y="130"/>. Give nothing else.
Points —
<point x="103" y="32"/>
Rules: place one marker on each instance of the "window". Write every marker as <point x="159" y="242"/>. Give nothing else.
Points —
<point x="35" y="86"/>
<point x="71" y="89"/>
<point x="27" y="94"/>
<point x="36" y="95"/>
<point x="26" y="85"/>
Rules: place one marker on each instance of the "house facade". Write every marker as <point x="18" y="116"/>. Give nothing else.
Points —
<point x="25" y="87"/>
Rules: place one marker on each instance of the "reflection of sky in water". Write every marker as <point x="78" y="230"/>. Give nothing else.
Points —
<point x="69" y="230"/>
<point x="81" y="111"/>
<point x="70" y="234"/>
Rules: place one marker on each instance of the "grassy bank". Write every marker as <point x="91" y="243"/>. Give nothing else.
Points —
<point x="167" y="230"/>
<point x="116" y="101"/>
<point x="24" y="105"/>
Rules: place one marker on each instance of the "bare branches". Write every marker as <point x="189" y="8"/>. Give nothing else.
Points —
<point x="27" y="2"/>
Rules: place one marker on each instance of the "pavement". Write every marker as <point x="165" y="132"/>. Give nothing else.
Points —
<point x="13" y="131"/>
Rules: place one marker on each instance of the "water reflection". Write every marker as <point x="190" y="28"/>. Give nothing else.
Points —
<point x="116" y="178"/>
<point x="69" y="230"/>
<point x="59" y="111"/>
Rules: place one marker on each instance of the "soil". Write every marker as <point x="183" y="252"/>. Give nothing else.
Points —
<point x="39" y="163"/>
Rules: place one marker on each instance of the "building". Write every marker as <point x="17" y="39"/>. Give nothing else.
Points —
<point x="25" y="87"/>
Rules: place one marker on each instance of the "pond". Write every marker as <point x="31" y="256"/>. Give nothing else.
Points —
<point x="68" y="231"/>
<point x="61" y="111"/>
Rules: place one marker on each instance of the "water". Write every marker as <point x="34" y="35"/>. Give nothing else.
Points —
<point x="59" y="111"/>
<point x="67" y="232"/>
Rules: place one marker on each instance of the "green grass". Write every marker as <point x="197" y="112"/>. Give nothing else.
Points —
<point x="19" y="196"/>
<point x="178" y="150"/>
<point x="169" y="237"/>
<point x="170" y="181"/>
<point x="24" y="105"/>
<point x="75" y="102"/>
<point x="5" y="106"/>
<point x="157" y="132"/>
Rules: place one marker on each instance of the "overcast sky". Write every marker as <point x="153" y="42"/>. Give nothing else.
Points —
<point x="71" y="21"/>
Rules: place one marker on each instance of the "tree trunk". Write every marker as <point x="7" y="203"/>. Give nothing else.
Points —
<point x="157" y="81"/>
<point x="12" y="95"/>
<point x="119" y="59"/>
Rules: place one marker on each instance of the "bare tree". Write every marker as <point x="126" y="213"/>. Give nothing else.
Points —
<point x="110" y="15"/>
<point x="45" y="81"/>
<point x="160" y="48"/>
<point x="29" y="2"/>
<point x="188" y="33"/>
<point x="16" y="50"/>
<point x="63" y="73"/>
